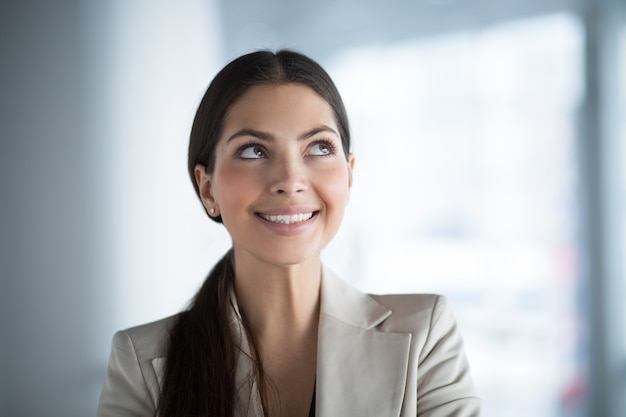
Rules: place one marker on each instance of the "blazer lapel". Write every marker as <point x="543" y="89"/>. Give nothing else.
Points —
<point x="360" y="370"/>
<point x="158" y="365"/>
<point x="248" y="399"/>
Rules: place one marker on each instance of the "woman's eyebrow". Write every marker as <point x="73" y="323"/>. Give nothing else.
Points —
<point x="268" y="137"/>
<point x="251" y="132"/>
<point x="316" y="130"/>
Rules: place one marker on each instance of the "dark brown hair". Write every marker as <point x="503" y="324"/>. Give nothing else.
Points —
<point x="199" y="376"/>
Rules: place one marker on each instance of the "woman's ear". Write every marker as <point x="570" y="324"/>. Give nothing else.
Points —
<point x="204" y="182"/>
<point x="350" y="169"/>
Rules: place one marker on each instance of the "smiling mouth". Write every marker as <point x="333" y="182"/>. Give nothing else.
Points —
<point x="287" y="218"/>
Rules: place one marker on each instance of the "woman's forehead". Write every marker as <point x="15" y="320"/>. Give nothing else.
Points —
<point x="283" y="106"/>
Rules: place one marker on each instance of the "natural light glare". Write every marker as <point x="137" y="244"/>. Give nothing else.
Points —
<point x="161" y="256"/>
<point x="465" y="184"/>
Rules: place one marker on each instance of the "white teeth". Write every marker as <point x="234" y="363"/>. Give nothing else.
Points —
<point x="287" y="219"/>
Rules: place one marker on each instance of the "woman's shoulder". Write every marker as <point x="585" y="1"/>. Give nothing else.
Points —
<point x="147" y="339"/>
<point x="410" y="302"/>
<point x="153" y="327"/>
<point x="401" y="312"/>
<point x="413" y="312"/>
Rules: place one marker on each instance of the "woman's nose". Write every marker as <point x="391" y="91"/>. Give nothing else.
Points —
<point x="289" y="177"/>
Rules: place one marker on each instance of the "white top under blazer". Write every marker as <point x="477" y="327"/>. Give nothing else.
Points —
<point x="378" y="356"/>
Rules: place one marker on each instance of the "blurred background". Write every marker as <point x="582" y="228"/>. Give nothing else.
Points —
<point x="489" y="137"/>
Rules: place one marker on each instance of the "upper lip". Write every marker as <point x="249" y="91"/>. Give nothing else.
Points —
<point x="288" y="211"/>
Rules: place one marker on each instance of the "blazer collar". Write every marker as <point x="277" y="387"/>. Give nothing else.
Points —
<point x="248" y="398"/>
<point x="349" y="305"/>
<point x="360" y="369"/>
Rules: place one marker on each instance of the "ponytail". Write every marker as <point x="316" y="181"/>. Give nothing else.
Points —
<point x="199" y="375"/>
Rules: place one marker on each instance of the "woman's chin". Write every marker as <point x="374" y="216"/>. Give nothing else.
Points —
<point x="283" y="256"/>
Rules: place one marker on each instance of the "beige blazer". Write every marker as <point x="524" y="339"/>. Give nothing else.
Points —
<point x="394" y="355"/>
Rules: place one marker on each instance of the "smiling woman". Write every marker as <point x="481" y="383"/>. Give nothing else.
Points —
<point x="272" y="331"/>
<point x="285" y="167"/>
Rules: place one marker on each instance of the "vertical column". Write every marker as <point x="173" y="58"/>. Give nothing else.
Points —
<point x="602" y="161"/>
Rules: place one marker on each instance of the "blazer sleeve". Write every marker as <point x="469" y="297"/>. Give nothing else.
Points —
<point x="125" y="392"/>
<point x="444" y="386"/>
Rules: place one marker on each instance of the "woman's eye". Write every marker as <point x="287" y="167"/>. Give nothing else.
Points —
<point x="321" y="148"/>
<point x="252" y="152"/>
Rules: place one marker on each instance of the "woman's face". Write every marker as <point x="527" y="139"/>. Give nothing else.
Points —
<point x="281" y="179"/>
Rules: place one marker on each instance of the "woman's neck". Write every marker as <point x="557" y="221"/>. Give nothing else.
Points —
<point x="281" y="307"/>
<point x="278" y="300"/>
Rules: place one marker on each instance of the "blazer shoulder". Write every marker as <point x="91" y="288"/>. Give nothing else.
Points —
<point x="415" y="312"/>
<point x="411" y="303"/>
<point x="148" y="340"/>
<point x="131" y="387"/>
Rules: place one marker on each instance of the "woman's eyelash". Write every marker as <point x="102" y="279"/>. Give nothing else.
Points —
<point x="249" y="145"/>
<point x="332" y="148"/>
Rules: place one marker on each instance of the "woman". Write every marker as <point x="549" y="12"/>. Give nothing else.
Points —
<point x="272" y="332"/>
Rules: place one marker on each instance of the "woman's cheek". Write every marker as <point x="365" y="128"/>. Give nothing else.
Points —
<point x="227" y="180"/>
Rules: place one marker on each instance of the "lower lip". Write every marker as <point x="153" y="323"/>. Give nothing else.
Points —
<point x="288" y="229"/>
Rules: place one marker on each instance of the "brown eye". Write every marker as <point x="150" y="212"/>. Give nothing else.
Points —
<point x="321" y="149"/>
<point x="252" y="152"/>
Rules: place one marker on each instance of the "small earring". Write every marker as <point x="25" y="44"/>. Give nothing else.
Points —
<point x="212" y="210"/>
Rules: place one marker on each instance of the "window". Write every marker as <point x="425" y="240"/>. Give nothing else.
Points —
<point x="466" y="185"/>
